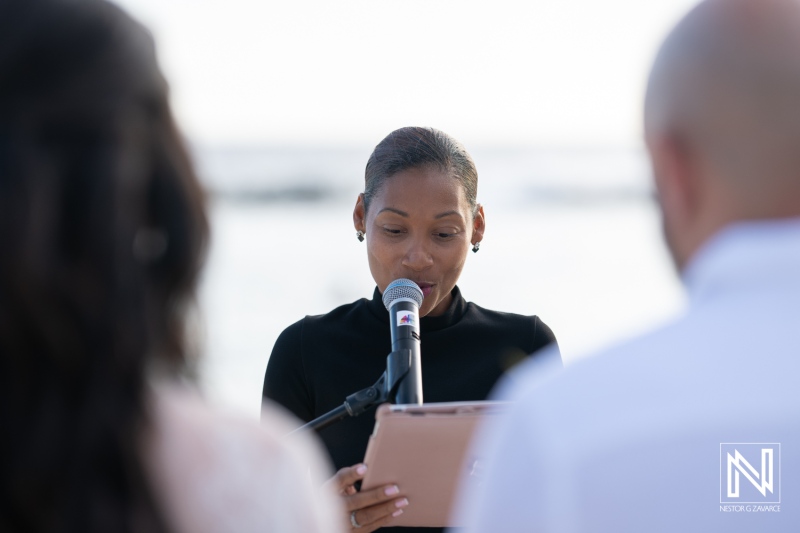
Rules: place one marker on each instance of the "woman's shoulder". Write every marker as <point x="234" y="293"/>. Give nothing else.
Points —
<point x="515" y="324"/>
<point x="353" y="312"/>
<point x="212" y="468"/>
<point x="504" y="319"/>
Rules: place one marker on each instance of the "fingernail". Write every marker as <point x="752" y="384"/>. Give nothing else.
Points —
<point x="397" y="513"/>
<point x="361" y="470"/>
<point x="391" y="490"/>
<point x="401" y="503"/>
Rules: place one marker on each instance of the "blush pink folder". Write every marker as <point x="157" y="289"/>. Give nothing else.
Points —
<point x="425" y="450"/>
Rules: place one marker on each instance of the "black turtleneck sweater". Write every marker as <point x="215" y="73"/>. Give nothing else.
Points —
<point x="320" y="360"/>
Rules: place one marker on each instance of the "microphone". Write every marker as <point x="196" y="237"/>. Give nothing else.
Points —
<point x="402" y="299"/>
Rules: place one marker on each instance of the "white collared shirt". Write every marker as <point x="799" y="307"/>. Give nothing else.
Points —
<point x="631" y="440"/>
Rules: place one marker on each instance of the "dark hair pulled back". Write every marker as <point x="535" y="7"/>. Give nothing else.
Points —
<point x="414" y="147"/>
<point x="102" y="235"/>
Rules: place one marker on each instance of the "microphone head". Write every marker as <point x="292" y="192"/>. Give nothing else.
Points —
<point x="402" y="288"/>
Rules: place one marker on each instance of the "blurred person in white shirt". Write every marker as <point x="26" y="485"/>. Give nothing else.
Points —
<point x="690" y="427"/>
<point x="103" y="232"/>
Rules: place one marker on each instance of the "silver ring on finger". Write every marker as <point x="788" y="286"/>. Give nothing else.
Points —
<point x="353" y="521"/>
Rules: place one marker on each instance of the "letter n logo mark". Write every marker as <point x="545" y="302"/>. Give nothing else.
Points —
<point x="741" y="472"/>
<point x="739" y="465"/>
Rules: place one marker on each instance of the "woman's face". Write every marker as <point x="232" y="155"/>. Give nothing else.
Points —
<point x="420" y="227"/>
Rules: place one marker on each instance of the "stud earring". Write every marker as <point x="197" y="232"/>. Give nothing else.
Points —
<point x="476" y="247"/>
<point x="360" y="236"/>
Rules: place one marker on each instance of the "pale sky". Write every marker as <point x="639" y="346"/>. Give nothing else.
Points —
<point x="494" y="72"/>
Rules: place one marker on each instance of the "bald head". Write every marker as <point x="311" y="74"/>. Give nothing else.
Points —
<point x="723" y="110"/>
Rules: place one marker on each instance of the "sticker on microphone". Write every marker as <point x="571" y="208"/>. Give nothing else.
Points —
<point x="406" y="318"/>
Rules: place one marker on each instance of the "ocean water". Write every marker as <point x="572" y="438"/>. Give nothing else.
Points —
<point x="573" y="235"/>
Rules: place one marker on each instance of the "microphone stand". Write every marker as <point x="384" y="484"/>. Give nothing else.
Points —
<point x="398" y="365"/>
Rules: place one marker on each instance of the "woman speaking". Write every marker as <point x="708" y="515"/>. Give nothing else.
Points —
<point x="420" y="218"/>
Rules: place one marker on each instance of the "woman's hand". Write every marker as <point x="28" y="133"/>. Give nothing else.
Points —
<point x="371" y="509"/>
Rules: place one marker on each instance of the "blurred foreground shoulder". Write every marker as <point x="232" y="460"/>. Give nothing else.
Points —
<point x="219" y="472"/>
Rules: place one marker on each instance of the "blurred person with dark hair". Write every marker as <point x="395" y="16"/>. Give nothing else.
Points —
<point x="103" y="231"/>
<point x="420" y="218"/>
<point x="654" y="434"/>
